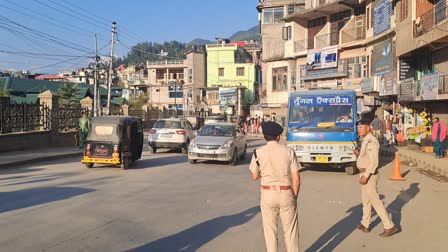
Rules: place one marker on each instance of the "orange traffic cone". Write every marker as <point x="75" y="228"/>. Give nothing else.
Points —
<point x="396" y="172"/>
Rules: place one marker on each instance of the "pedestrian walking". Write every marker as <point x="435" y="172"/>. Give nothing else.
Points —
<point x="277" y="166"/>
<point x="83" y="129"/>
<point x="367" y="164"/>
<point x="438" y="137"/>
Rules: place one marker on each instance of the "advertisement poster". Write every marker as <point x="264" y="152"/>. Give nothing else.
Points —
<point x="407" y="90"/>
<point x="381" y="16"/>
<point x="322" y="58"/>
<point x="227" y="97"/>
<point x="430" y="86"/>
<point x="382" y="58"/>
<point x="367" y="85"/>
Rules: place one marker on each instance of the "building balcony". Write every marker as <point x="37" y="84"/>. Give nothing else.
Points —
<point x="325" y="40"/>
<point x="353" y="34"/>
<point x="300" y="45"/>
<point x="273" y="49"/>
<point x="433" y="18"/>
<point x="166" y="64"/>
<point x="319" y="8"/>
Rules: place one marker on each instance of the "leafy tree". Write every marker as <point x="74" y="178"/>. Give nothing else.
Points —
<point x="4" y="93"/>
<point x="139" y="101"/>
<point x="68" y="95"/>
<point x="145" y="51"/>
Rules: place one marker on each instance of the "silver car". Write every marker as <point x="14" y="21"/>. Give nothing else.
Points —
<point x="171" y="133"/>
<point x="219" y="142"/>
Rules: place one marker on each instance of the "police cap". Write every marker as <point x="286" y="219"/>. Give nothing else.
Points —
<point x="271" y="129"/>
<point x="363" y="121"/>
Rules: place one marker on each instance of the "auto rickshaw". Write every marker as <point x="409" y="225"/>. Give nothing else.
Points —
<point x="115" y="140"/>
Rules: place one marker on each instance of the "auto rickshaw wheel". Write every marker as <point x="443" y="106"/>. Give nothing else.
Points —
<point x="89" y="165"/>
<point x="125" y="164"/>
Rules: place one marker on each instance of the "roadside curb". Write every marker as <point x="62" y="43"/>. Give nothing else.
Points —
<point x="417" y="162"/>
<point x="40" y="159"/>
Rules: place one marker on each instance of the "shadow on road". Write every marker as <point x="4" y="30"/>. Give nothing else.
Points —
<point x="341" y="230"/>
<point x="396" y="206"/>
<point x="195" y="237"/>
<point x="11" y="201"/>
<point x="16" y="170"/>
<point x="160" y="161"/>
<point x="338" y="232"/>
<point x="44" y="178"/>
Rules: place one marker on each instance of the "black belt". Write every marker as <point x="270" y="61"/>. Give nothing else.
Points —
<point x="364" y="170"/>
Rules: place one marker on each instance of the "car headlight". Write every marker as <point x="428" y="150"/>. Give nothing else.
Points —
<point x="192" y="144"/>
<point x="227" y="144"/>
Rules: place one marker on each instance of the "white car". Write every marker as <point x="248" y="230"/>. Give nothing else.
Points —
<point x="219" y="142"/>
<point x="172" y="133"/>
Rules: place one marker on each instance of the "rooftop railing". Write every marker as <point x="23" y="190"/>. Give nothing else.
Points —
<point x="438" y="15"/>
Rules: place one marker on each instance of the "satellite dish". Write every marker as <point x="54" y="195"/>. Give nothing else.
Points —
<point x="418" y="21"/>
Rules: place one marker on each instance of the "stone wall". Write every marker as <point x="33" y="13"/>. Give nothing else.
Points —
<point x="35" y="140"/>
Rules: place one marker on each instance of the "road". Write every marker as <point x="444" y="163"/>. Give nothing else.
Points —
<point x="167" y="204"/>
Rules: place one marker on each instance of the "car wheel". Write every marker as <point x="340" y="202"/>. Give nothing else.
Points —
<point x="192" y="161"/>
<point x="243" y="156"/>
<point x="89" y="165"/>
<point x="234" y="159"/>
<point x="125" y="164"/>
<point x="154" y="149"/>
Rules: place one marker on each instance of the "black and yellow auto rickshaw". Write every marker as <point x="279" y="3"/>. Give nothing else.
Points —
<point x="115" y="140"/>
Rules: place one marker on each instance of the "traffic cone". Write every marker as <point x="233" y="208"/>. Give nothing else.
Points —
<point x="396" y="172"/>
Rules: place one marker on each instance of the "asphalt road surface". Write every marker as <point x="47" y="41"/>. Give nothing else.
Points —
<point x="167" y="204"/>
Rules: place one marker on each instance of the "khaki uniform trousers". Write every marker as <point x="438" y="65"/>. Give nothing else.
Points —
<point x="283" y="204"/>
<point x="370" y="198"/>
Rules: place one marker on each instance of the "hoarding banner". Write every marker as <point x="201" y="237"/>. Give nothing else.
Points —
<point x="367" y="85"/>
<point x="322" y="58"/>
<point x="430" y="86"/>
<point x="339" y="71"/>
<point x="388" y="84"/>
<point x="407" y="90"/>
<point x="407" y="68"/>
<point x="381" y="16"/>
<point x="227" y="97"/>
<point x="382" y="58"/>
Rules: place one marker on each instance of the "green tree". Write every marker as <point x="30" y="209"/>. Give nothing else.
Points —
<point x="4" y="93"/>
<point x="68" y="95"/>
<point x="139" y="101"/>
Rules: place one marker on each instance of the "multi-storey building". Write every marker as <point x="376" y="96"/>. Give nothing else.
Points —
<point x="166" y="84"/>
<point x="195" y="78"/>
<point x="230" y="67"/>
<point x="335" y="44"/>
<point x="422" y="40"/>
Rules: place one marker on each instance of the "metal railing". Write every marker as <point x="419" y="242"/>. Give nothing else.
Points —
<point x="166" y="62"/>
<point x="353" y="34"/>
<point x="327" y="39"/>
<point x="68" y="117"/>
<point x="300" y="45"/>
<point x="438" y="15"/>
<point x="23" y="118"/>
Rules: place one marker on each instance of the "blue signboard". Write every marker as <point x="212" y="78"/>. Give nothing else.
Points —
<point x="322" y="100"/>
<point x="381" y="16"/>
<point x="367" y="85"/>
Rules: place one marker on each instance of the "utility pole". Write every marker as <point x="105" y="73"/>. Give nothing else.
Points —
<point x="96" y="96"/>
<point x="111" y="69"/>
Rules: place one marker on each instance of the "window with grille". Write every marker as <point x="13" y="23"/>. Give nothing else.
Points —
<point x="357" y="67"/>
<point x="273" y="15"/>
<point x="240" y="71"/>
<point x="279" y="79"/>
<point x="221" y="71"/>
<point x="287" y="33"/>
<point x="403" y="9"/>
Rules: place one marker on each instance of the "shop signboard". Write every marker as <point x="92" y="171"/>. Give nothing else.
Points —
<point x="381" y="16"/>
<point x="407" y="68"/>
<point x="388" y="84"/>
<point x="430" y="86"/>
<point x="339" y="71"/>
<point x="227" y="97"/>
<point x="382" y="58"/>
<point x="322" y="58"/>
<point x="407" y="90"/>
<point x="354" y="84"/>
<point x="367" y="85"/>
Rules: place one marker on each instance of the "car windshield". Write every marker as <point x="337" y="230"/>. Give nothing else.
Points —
<point x="217" y="130"/>
<point x="167" y="124"/>
<point x="311" y="112"/>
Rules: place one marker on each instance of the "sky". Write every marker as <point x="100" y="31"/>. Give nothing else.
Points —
<point x="48" y="36"/>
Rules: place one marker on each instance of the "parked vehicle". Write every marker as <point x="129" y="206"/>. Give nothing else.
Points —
<point x="115" y="140"/>
<point x="220" y="142"/>
<point x="214" y="119"/>
<point x="172" y="133"/>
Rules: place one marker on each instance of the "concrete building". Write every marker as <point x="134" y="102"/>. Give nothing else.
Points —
<point x="422" y="52"/>
<point x="166" y="84"/>
<point x="229" y="66"/>
<point x="342" y="44"/>
<point x="196" y="79"/>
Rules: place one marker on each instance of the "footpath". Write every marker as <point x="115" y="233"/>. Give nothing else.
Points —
<point x="26" y="157"/>
<point x="407" y="155"/>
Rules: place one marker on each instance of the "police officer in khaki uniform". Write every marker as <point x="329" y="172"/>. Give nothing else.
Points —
<point x="277" y="166"/>
<point x="368" y="164"/>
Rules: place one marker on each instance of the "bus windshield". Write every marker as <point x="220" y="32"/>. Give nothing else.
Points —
<point x="328" y="112"/>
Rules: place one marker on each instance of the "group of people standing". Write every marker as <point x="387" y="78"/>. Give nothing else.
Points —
<point x="252" y="125"/>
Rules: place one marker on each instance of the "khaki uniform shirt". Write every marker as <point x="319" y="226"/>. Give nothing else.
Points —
<point x="276" y="161"/>
<point x="368" y="155"/>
